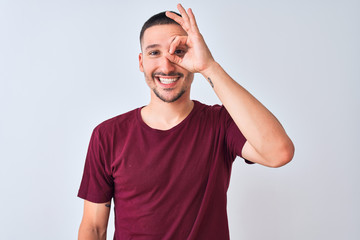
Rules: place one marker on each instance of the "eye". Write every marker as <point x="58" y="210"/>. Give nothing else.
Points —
<point x="180" y="52"/>
<point x="154" y="53"/>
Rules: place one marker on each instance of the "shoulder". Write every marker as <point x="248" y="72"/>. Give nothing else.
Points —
<point x="118" y="123"/>
<point x="214" y="111"/>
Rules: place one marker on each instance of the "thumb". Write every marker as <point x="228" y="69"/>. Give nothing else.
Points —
<point x="174" y="58"/>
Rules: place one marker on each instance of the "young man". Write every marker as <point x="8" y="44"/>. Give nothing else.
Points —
<point x="167" y="165"/>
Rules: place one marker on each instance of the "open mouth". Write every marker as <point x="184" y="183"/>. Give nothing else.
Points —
<point x="167" y="79"/>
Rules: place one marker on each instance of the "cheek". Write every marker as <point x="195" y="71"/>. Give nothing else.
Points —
<point x="150" y="64"/>
<point x="144" y="67"/>
<point x="190" y="77"/>
<point x="148" y="77"/>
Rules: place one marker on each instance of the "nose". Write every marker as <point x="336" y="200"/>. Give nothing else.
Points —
<point x="166" y="65"/>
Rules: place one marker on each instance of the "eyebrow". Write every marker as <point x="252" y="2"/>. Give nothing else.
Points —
<point x="152" y="46"/>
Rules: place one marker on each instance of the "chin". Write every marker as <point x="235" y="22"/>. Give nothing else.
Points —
<point x="169" y="99"/>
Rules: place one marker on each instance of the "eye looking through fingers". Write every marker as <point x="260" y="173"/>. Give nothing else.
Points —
<point x="180" y="52"/>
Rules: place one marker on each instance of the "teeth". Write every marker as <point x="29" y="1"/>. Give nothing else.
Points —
<point x="167" y="80"/>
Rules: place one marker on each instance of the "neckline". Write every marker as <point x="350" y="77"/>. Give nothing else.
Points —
<point x="179" y="125"/>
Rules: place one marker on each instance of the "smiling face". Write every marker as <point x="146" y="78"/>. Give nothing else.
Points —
<point x="168" y="81"/>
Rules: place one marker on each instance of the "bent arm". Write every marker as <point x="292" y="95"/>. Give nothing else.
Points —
<point x="267" y="142"/>
<point x="94" y="222"/>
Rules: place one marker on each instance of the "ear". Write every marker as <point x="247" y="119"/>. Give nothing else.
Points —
<point x="141" y="62"/>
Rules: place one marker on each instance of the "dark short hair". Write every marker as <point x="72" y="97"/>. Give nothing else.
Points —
<point x="157" y="19"/>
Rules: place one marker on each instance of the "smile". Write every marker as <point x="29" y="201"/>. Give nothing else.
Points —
<point x="167" y="80"/>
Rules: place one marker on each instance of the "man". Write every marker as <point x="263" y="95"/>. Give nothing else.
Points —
<point x="167" y="165"/>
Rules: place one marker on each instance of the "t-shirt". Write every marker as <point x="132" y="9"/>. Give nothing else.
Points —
<point x="166" y="184"/>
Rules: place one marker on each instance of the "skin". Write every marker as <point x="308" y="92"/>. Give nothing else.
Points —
<point x="154" y="62"/>
<point x="267" y="142"/>
<point x="94" y="222"/>
<point x="177" y="52"/>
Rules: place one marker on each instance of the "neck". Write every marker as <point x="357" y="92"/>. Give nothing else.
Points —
<point x="163" y="116"/>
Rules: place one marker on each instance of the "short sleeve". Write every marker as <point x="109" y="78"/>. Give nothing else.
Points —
<point x="97" y="183"/>
<point x="235" y="140"/>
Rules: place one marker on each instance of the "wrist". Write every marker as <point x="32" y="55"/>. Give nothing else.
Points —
<point x="210" y="69"/>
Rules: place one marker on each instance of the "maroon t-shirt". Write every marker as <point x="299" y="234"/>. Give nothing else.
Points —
<point x="168" y="184"/>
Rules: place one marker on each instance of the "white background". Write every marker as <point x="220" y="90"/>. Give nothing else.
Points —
<point x="65" y="66"/>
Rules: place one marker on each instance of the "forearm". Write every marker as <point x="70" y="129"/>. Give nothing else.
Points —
<point x="266" y="137"/>
<point x="259" y="126"/>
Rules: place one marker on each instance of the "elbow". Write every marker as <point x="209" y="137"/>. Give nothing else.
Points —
<point x="283" y="155"/>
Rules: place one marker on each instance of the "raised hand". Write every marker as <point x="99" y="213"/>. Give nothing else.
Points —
<point x="267" y="142"/>
<point x="197" y="56"/>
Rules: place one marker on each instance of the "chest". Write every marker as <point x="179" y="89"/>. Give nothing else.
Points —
<point x="147" y="165"/>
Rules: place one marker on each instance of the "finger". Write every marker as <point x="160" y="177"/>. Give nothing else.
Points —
<point x="192" y="19"/>
<point x="177" y="41"/>
<point x="185" y="17"/>
<point x="175" y="17"/>
<point x="183" y="13"/>
<point x="174" y="58"/>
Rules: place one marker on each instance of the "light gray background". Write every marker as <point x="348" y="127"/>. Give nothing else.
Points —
<point x="65" y="66"/>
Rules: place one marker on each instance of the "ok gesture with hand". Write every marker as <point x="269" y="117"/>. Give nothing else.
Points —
<point x="197" y="57"/>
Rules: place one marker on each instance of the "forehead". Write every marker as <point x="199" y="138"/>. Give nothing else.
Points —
<point x="161" y="34"/>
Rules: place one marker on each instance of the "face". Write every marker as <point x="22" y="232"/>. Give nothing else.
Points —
<point x="168" y="81"/>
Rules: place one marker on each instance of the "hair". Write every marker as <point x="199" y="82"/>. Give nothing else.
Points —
<point x="157" y="19"/>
